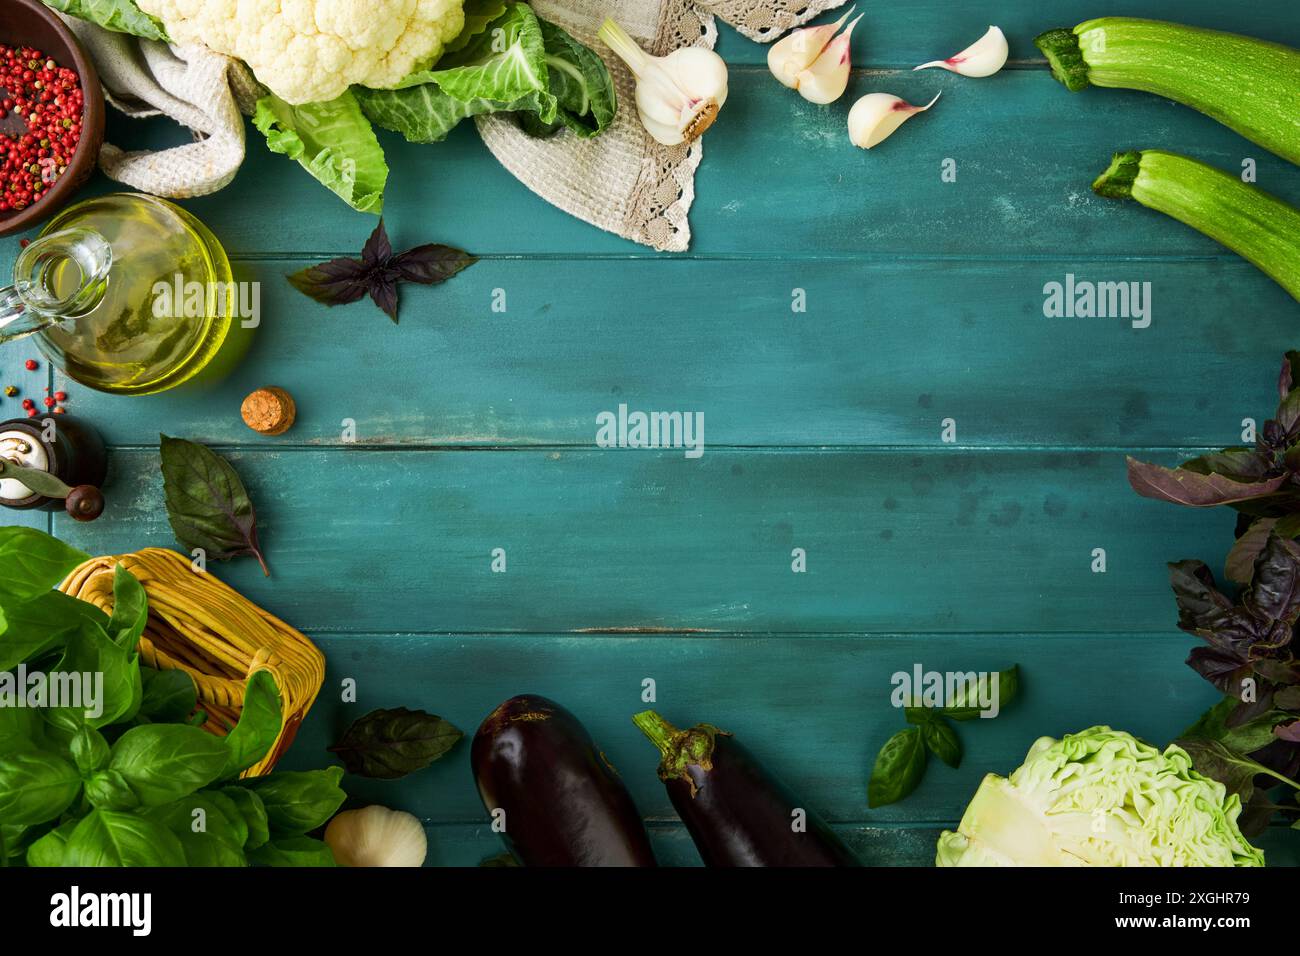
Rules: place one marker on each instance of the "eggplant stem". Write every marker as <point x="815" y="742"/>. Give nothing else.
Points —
<point x="661" y="733"/>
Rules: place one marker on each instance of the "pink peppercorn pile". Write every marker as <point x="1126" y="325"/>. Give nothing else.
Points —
<point x="49" y="100"/>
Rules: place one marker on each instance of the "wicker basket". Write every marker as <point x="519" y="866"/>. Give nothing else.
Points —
<point x="203" y="627"/>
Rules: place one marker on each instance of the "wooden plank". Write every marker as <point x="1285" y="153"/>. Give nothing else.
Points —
<point x="780" y="178"/>
<point x="464" y="844"/>
<point x="815" y="709"/>
<point x="896" y="540"/>
<point x="903" y="35"/>
<point x="884" y="353"/>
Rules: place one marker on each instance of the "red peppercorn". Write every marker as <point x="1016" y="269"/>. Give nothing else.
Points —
<point x="28" y="404"/>
<point x="48" y="402"/>
<point x="61" y="396"/>
<point x="30" y="365"/>
<point x="49" y="98"/>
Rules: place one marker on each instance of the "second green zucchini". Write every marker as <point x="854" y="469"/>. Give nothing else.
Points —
<point x="1251" y="222"/>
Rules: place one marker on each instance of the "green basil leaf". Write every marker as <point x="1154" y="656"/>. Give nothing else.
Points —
<point x="115" y="674"/>
<point x="898" y="768"/>
<point x="49" y="849"/>
<point x="298" y="801"/>
<point x="942" y="741"/>
<point x="169" y="697"/>
<point x="130" y="610"/>
<point x="967" y="705"/>
<point x="163" y="762"/>
<point x="258" y="727"/>
<point x="43" y="624"/>
<point x="32" y="562"/>
<point x="293" y="851"/>
<point x="36" y="786"/>
<point x="253" y="811"/>
<point x="206" y="502"/>
<point x="15" y="839"/>
<point x="112" y="838"/>
<point x="920" y="716"/>
<point x="388" y="744"/>
<point x="89" y="750"/>
<point x="20" y="729"/>
<point x="209" y="825"/>
<point x="109" y="790"/>
<point x="1235" y="771"/>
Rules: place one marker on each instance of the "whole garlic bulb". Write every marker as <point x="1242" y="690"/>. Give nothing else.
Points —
<point x="678" y="96"/>
<point x="377" y="836"/>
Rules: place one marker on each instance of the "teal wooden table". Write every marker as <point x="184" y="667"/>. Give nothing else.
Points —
<point x="476" y="430"/>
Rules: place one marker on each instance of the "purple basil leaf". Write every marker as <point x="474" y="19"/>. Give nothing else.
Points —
<point x="1199" y="602"/>
<point x="383" y="291"/>
<point x="336" y="282"/>
<point x="207" y="504"/>
<point x="1289" y="375"/>
<point x="432" y="263"/>
<point x="1240" y="565"/>
<point x="1183" y="487"/>
<point x="1216" y="666"/>
<point x="377" y="250"/>
<point x="1289" y="732"/>
<point x="1239" y="464"/>
<point x="1288" y="411"/>
<point x="1274" y="593"/>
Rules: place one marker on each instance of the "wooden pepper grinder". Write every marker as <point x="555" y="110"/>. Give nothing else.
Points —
<point x="50" y="463"/>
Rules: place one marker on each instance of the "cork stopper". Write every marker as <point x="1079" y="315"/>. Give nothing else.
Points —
<point x="269" y="411"/>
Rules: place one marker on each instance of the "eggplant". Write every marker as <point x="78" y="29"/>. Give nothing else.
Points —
<point x="564" y="804"/>
<point x="737" y="813"/>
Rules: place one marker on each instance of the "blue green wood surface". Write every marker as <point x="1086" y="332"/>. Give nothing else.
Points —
<point x="476" y="430"/>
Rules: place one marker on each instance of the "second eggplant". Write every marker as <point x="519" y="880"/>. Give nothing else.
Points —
<point x="736" y="812"/>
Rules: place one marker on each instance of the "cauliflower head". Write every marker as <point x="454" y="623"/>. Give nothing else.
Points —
<point x="1100" y="797"/>
<point x="310" y="51"/>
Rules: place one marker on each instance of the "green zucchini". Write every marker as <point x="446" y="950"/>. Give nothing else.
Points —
<point x="1252" y="223"/>
<point x="1249" y="85"/>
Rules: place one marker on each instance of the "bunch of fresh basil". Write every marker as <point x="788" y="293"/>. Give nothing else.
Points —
<point x="140" y="783"/>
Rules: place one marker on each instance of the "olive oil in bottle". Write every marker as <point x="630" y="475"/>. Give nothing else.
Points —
<point x="128" y="294"/>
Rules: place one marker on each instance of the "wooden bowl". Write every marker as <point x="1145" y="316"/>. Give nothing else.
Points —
<point x="31" y="23"/>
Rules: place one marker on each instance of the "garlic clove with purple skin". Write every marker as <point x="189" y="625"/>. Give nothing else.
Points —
<point x="875" y="117"/>
<point x="799" y="49"/>
<point x="828" y="77"/>
<point x="984" y="57"/>
<point x="678" y="96"/>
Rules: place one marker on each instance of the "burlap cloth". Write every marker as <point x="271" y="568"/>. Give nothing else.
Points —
<point x="623" y="181"/>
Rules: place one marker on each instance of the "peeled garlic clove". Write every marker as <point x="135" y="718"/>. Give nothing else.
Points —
<point x="876" y="116"/>
<point x="984" y="57"/>
<point x="828" y="77"/>
<point x="376" y="836"/>
<point x="795" y="52"/>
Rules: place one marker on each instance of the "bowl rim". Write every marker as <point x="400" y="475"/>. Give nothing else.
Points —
<point x="86" y="155"/>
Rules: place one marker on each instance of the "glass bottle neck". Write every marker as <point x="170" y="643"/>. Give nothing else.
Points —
<point x="57" y="277"/>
